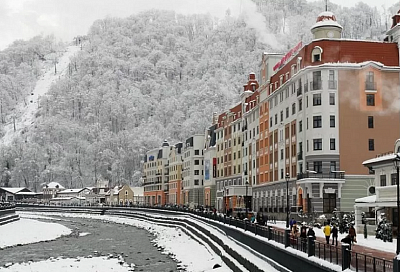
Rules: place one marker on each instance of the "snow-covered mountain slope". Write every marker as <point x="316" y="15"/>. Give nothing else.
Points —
<point x="25" y="114"/>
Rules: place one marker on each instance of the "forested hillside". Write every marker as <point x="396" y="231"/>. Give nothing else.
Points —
<point x="154" y="76"/>
<point x="139" y="80"/>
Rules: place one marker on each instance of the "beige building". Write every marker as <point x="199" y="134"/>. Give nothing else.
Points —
<point x="120" y="195"/>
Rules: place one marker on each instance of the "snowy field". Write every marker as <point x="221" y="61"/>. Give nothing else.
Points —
<point x="180" y="246"/>
<point x="27" y="231"/>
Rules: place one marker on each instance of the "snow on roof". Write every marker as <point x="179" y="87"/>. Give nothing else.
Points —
<point x="66" y="198"/>
<point x="53" y="185"/>
<point x="366" y="199"/>
<point x="26" y="193"/>
<point x="326" y="23"/>
<point x="68" y="191"/>
<point x="388" y="158"/>
<point x="13" y="190"/>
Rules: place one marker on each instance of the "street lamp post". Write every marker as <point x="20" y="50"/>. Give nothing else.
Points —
<point x="396" y="162"/>
<point x="287" y="200"/>
<point x="245" y="199"/>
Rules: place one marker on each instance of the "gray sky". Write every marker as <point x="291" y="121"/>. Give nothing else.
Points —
<point x="23" y="19"/>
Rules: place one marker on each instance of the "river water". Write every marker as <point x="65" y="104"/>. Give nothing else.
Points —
<point x="104" y="239"/>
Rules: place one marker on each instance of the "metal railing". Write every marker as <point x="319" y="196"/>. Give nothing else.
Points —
<point x="367" y="263"/>
<point x="370" y="85"/>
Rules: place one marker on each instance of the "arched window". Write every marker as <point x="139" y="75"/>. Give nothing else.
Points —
<point x="316" y="54"/>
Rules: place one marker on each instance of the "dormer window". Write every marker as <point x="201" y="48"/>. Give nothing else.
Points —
<point x="276" y="85"/>
<point x="281" y="80"/>
<point x="317" y="54"/>
<point x="287" y="76"/>
<point x="293" y="71"/>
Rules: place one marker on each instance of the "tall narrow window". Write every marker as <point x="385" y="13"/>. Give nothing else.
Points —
<point x="383" y="180"/>
<point x="293" y="108"/>
<point x="332" y="121"/>
<point x="371" y="144"/>
<point x="317" y="81"/>
<point x="332" y="144"/>
<point x="369" y="81"/>
<point x="332" y="81"/>
<point x="318" y="166"/>
<point x="370" y="122"/>
<point x="331" y="99"/>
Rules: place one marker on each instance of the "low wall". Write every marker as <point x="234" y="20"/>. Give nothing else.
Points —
<point x="8" y="215"/>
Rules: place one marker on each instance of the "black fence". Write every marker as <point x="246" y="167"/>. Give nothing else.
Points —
<point x="333" y="254"/>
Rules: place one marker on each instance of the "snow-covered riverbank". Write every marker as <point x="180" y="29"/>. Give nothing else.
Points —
<point x="26" y="231"/>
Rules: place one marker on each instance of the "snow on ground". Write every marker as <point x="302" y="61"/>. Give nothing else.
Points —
<point x="25" y="114"/>
<point x="370" y="242"/>
<point x="26" y="231"/>
<point x="173" y="241"/>
<point x="97" y="264"/>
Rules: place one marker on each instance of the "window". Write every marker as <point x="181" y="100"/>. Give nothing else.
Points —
<point x="317" y="121"/>
<point x="370" y="99"/>
<point x="332" y="144"/>
<point x="332" y="121"/>
<point x="393" y="178"/>
<point x="196" y="182"/>
<point x="332" y="81"/>
<point x="369" y="81"/>
<point x="196" y="162"/>
<point x="331" y="99"/>
<point x="371" y="144"/>
<point x="317" y="81"/>
<point x="300" y="126"/>
<point x="287" y="112"/>
<point x="281" y="116"/>
<point x="329" y="203"/>
<point x="196" y="152"/>
<point x="383" y="180"/>
<point x="370" y="122"/>
<point x="276" y="119"/>
<point x="316" y="54"/>
<point x="293" y="108"/>
<point x="333" y="166"/>
<point x="317" y="99"/>
<point x="270" y="122"/>
<point x="317" y="144"/>
<point x="196" y="172"/>
<point x="318" y="166"/>
<point x="300" y="104"/>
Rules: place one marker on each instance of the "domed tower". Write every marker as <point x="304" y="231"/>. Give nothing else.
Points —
<point x="326" y="27"/>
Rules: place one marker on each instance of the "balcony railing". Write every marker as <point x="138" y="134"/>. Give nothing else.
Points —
<point x="300" y="156"/>
<point x="306" y="87"/>
<point x="316" y="85"/>
<point x="313" y="174"/>
<point x="332" y="84"/>
<point x="370" y="85"/>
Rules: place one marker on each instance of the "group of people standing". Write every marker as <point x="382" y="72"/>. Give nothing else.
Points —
<point x="349" y="239"/>
<point x="328" y="231"/>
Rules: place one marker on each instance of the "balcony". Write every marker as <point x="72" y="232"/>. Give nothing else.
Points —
<point x="316" y="85"/>
<point x="299" y="91"/>
<point x="315" y="175"/>
<point x="370" y="86"/>
<point x="332" y="84"/>
<point x="305" y="87"/>
<point x="300" y="156"/>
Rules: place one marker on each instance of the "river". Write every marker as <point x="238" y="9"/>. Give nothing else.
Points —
<point x="104" y="238"/>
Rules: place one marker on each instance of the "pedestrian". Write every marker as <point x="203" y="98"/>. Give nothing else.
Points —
<point x="334" y="234"/>
<point x="327" y="232"/>
<point x="352" y="233"/>
<point x="311" y="232"/>
<point x="303" y="236"/>
<point x="265" y="219"/>
<point x="292" y="222"/>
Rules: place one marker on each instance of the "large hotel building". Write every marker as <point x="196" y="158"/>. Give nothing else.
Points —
<point x="308" y="122"/>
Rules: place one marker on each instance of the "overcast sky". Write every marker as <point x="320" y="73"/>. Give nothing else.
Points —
<point x="23" y="19"/>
